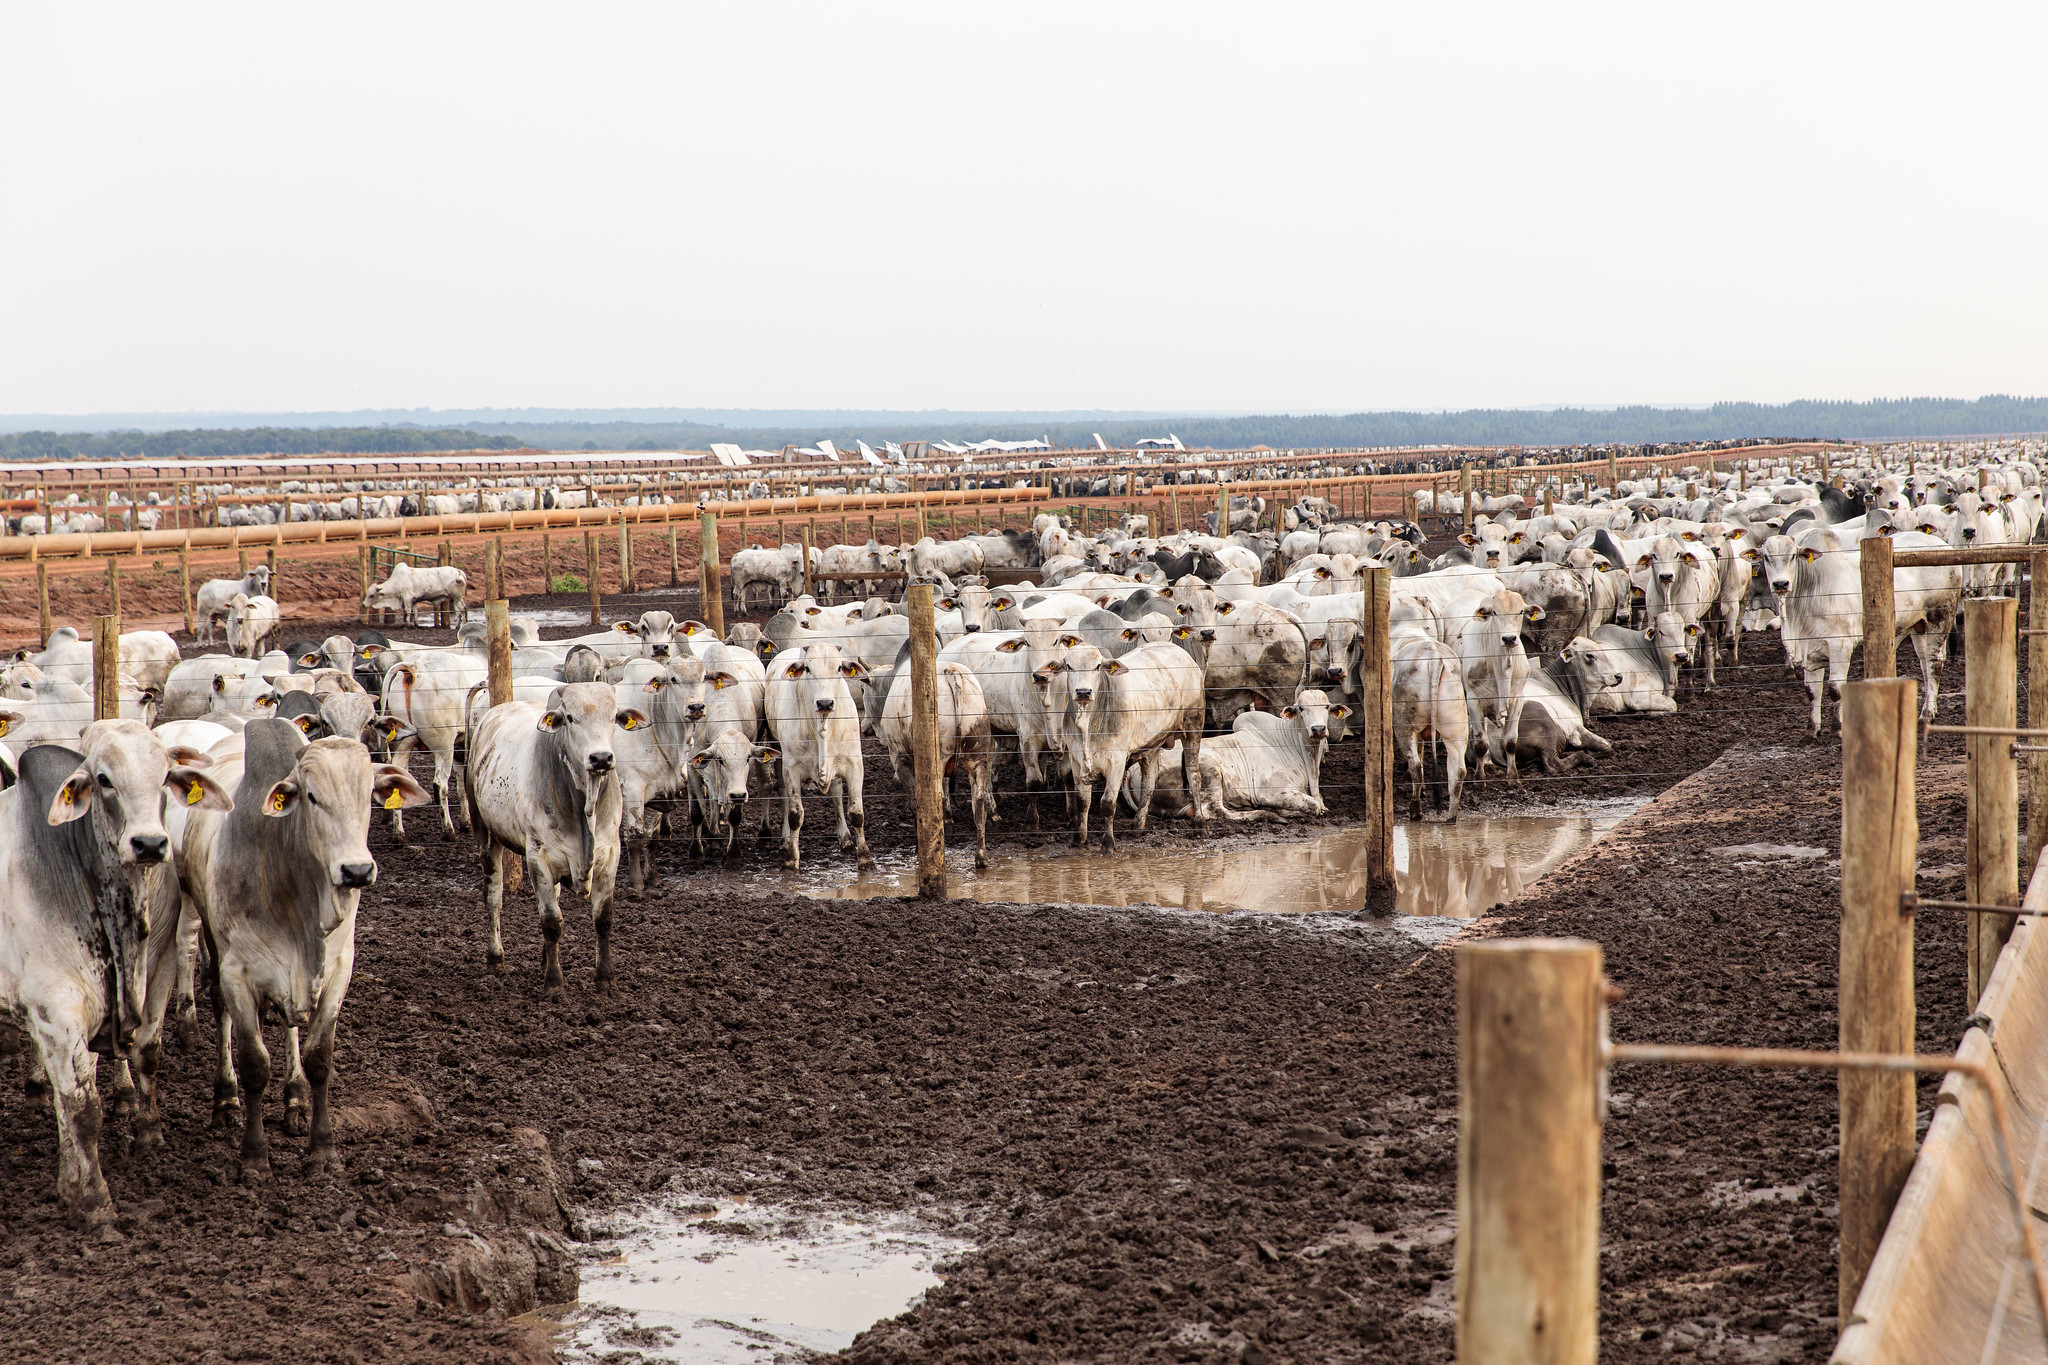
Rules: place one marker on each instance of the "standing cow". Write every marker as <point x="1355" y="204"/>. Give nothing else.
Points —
<point x="83" y="854"/>
<point x="543" y="784"/>
<point x="816" y="725"/>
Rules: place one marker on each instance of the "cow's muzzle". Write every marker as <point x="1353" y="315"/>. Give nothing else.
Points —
<point x="1780" y="585"/>
<point x="150" y="849"/>
<point x="600" y="763"/>
<point x="1084" y="693"/>
<point x="971" y="629"/>
<point x="1969" y="535"/>
<point x="1318" y="732"/>
<point x="1665" y="577"/>
<point x="825" y="704"/>
<point x="659" y="651"/>
<point x="696" y="710"/>
<point x="356" y="876"/>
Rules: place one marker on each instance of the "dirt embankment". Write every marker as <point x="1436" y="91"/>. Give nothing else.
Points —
<point x="1173" y="1137"/>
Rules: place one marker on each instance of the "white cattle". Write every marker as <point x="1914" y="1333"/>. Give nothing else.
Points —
<point x="1496" y="662"/>
<point x="816" y="725"/>
<point x="1015" y="669"/>
<point x="251" y="621"/>
<point x="543" y="786"/>
<point x="409" y="585"/>
<point x="1647" y="662"/>
<point x="429" y="693"/>
<point x="953" y="558"/>
<point x="83" y="868"/>
<point x="780" y="571"/>
<point x="966" y="743"/>
<point x="1270" y="763"/>
<point x="211" y="602"/>
<point x="1116" y="711"/>
<point x="276" y="883"/>
<point x="1429" y="706"/>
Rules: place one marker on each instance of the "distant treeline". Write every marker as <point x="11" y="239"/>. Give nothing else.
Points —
<point x="1883" y="419"/>
<point x="53" y="445"/>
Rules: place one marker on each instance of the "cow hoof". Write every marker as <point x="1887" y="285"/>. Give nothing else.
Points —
<point x="98" y="1215"/>
<point x="149" y="1133"/>
<point x="298" y="1116"/>
<point x="126" y="1106"/>
<point x="185" y="1031"/>
<point x="447" y="836"/>
<point x="320" y="1161"/>
<point x="227" y="1113"/>
<point x="980" y="863"/>
<point x="251" y="1170"/>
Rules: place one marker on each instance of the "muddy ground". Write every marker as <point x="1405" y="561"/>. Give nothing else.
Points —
<point x="1172" y="1136"/>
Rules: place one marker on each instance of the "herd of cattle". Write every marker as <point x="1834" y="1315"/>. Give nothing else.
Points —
<point x="1189" y="674"/>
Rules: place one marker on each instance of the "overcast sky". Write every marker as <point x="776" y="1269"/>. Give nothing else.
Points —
<point x="1256" y="207"/>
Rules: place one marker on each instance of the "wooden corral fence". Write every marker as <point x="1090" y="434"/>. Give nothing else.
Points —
<point x="1939" y="1260"/>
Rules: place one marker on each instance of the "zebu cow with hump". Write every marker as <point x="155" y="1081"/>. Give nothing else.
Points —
<point x="83" y="871"/>
<point x="816" y="725"/>
<point x="275" y="883"/>
<point x="1114" y="711"/>
<point x="542" y="785"/>
<point x="1015" y="669"/>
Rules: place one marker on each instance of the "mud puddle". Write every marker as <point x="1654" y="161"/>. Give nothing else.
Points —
<point x="1459" y="870"/>
<point x="711" y="1282"/>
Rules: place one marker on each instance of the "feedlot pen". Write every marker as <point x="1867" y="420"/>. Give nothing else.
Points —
<point x="1165" y="1135"/>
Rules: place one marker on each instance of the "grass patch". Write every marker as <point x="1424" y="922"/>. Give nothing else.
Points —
<point x="566" y="582"/>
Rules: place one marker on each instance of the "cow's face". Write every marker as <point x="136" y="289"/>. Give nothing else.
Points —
<point x="328" y="798"/>
<point x="721" y="769"/>
<point x="581" y="717"/>
<point x="657" y="632"/>
<point x="683" y="689"/>
<point x="1312" y="711"/>
<point x="1773" y="561"/>
<point x="122" y="785"/>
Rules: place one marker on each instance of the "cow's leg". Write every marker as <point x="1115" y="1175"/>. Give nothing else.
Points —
<point x="603" y="890"/>
<point x="1925" y="642"/>
<point x="549" y="895"/>
<point x="58" y="1028"/>
<point x="319" y="1070"/>
<point x="1415" y="776"/>
<point x="1816" y="673"/>
<point x="444" y="779"/>
<point x="252" y="1066"/>
<point x="1112" y="784"/>
<point x="1081" y="794"/>
<point x="494" y="900"/>
<point x="838" y="787"/>
<point x="297" y="1094"/>
<point x="792" y="821"/>
<point x="978" y="783"/>
<point x="185" y="1000"/>
<point x="857" y="813"/>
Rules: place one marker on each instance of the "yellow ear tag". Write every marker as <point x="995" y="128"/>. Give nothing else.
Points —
<point x="395" y="800"/>
<point x="277" y="803"/>
<point x="3" y="726"/>
<point x="194" y="794"/>
<point x="67" y="797"/>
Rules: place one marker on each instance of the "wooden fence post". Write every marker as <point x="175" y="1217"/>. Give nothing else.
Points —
<point x="1613" y="476"/>
<point x="710" y="593"/>
<point x="106" y="667"/>
<point x="625" y="553"/>
<point x="1991" y="860"/>
<point x="924" y="743"/>
<point x="1880" y="645"/>
<point x="1376" y="722"/>
<point x="590" y="564"/>
<point x="1880" y="840"/>
<point x="805" y="534"/>
<point x="493" y="584"/>
<point x="43" y="600"/>
<point x="114" y="586"/>
<point x="2037" y="705"/>
<point x="1528" y="1262"/>
<point x="444" y="556"/>
<point x="185" y="580"/>
<point x="675" y="563"/>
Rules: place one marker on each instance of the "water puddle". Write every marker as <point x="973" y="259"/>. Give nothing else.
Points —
<point x="1459" y="870"/>
<point x="714" y="1281"/>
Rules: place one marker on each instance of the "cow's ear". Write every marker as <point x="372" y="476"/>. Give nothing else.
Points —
<point x="796" y="670"/>
<point x="268" y="699"/>
<point x="1112" y="667"/>
<point x="1290" y="712"/>
<point x="854" y="615"/>
<point x="699" y="760"/>
<point x="1887" y="530"/>
<point x="220" y="683"/>
<point x="1223" y="608"/>
<point x="721" y="680"/>
<point x="1808" y="556"/>
<point x="549" y="720"/>
<point x="654" y="685"/>
<point x="1009" y="646"/>
<point x="195" y="788"/>
<point x="813" y="611"/>
<point x="1068" y="641"/>
<point x="1483" y="614"/>
<point x="1643" y="562"/>
<point x="9" y="719"/>
<point x="395" y="789"/>
<point x="627" y="718"/>
<point x="1534" y="612"/>
<point x="1319" y="642"/>
<point x="305" y="724"/>
<point x="1751" y="554"/>
<point x="1649" y="635"/>
<point x="1182" y="632"/>
<point x="72" y="798"/>
<point x="1692" y="629"/>
<point x="185" y="756"/>
<point x="1468" y="539"/>
<point x="1340" y="709"/>
<point x="946" y="604"/>
<point x="625" y="628"/>
<point x="281" y="799"/>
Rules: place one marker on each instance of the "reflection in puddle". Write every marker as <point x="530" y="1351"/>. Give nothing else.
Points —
<point x="1462" y="870"/>
<point x="702" y="1282"/>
